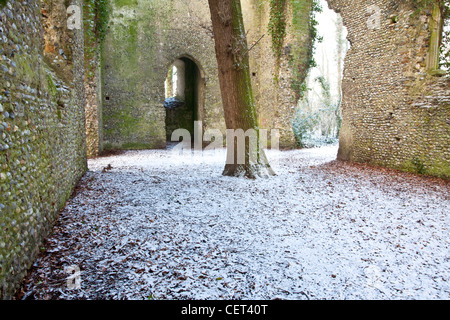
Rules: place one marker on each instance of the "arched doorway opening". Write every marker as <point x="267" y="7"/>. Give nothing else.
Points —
<point x="184" y="96"/>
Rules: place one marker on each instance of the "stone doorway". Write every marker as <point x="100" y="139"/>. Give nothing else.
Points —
<point x="184" y="96"/>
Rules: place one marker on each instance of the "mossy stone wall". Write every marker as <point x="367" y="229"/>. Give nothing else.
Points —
<point x="42" y="137"/>
<point x="394" y="113"/>
<point x="144" y="39"/>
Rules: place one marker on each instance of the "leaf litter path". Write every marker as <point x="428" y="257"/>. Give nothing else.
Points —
<point x="153" y="225"/>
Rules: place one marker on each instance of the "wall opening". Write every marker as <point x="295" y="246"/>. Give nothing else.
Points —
<point x="444" y="61"/>
<point x="184" y="96"/>
<point x="318" y="116"/>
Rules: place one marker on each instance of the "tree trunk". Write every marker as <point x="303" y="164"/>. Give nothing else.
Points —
<point x="235" y="84"/>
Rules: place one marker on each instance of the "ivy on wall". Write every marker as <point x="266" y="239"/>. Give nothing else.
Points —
<point x="96" y="17"/>
<point x="102" y="12"/>
<point x="422" y="5"/>
<point x="303" y="25"/>
<point x="302" y="54"/>
<point x="277" y="27"/>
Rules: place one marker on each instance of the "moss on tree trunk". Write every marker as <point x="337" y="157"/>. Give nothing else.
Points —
<point x="235" y="84"/>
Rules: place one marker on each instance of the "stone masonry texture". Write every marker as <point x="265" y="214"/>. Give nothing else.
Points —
<point x="42" y="135"/>
<point x="394" y="113"/>
<point x="146" y="37"/>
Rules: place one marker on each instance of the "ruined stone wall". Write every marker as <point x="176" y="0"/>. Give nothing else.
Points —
<point x="94" y="20"/>
<point x="42" y="132"/>
<point x="394" y="113"/>
<point x="272" y="88"/>
<point x="144" y="39"/>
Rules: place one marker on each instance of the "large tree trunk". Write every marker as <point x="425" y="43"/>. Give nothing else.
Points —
<point x="235" y="84"/>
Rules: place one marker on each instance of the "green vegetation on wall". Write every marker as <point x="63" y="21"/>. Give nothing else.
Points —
<point x="51" y="87"/>
<point x="42" y="149"/>
<point x="277" y="27"/>
<point x="96" y="17"/>
<point x="305" y="34"/>
<point x="422" y="5"/>
<point x="123" y="3"/>
<point x="302" y="55"/>
<point x="102" y="12"/>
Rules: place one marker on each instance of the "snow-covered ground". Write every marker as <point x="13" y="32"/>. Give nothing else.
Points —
<point x="153" y="225"/>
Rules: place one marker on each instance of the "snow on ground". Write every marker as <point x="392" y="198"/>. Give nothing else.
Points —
<point x="152" y="225"/>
